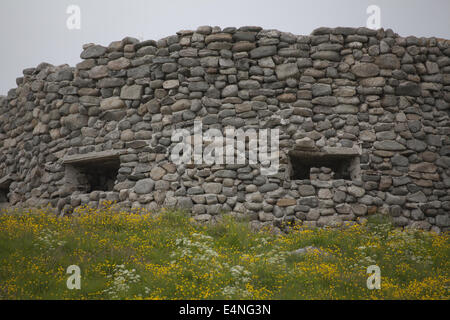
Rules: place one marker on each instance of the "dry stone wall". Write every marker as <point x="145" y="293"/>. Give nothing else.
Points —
<point x="363" y="117"/>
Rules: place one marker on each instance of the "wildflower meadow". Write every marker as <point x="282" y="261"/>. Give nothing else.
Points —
<point x="165" y="255"/>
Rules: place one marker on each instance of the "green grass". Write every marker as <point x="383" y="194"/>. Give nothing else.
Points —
<point x="166" y="255"/>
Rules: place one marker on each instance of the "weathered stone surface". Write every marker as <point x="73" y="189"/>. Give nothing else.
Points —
<point x="89" y="157"/>
<point x="263" y="51"/>
<point x="180" y="105"/>
<point x="321" y="89"/>
<point x="218" y="37"/>
<point x="397" y="200"/>
<point x="356" y="191"/>
<point x="328" y="101"/>
<point x="362" y="119"/>
<point x="286" y="202"/>
<point x="345" y="108"/>
<point x="171" y="84"/>
<point x="133" y="92"/>
<point x="388" y="61"/>
<point x="144" y="186"/>
<point x="157" y="173"/>
<point x="98" y="72"/>
<point x="419" y="196"/>
<point x="230" y="91"/>
<point x="287" y="97"/>
<point x="112" y="103"/>
<point x="325" y="194"/>
<point x="367" y="135"/>
<point x="94" y="51"/>
<point x="118" y="64"/>
<point x="306" y="190"/>
<point x="268" y="187"/>
<point x="304" y="144"/>
<point x="76" y="121"/>
<point x="243" y="46"/>
<point x="326" y="55"/>
<point x="408" y="89"/>
<point x="365" y="70"/>
<point x="399" y="160"/>
<point x="139" y="72"/>
<point x="212" y="187"/>
<point x="287" y="70"/>
<point x="423" y="167"/>
<point x="389" y="145"/>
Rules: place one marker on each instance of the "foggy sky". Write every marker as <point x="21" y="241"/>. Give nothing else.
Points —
<point x="35" y="31"/>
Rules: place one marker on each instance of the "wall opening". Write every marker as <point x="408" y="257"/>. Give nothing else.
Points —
<point x="343" y="166"/>
<point x="93" y="172"/>
<point x="97" y="176"/>
<point x="4" y="196"/>
<point x="4" y="191"/>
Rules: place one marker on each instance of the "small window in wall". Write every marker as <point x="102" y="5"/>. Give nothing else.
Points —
<point x="4" y="191"/>
<point x="92" y="172"/>
<point x="4" y="196"/>
<point x="343" y="166"/>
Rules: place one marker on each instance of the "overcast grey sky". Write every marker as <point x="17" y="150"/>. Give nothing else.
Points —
<point x="35" y="31"/>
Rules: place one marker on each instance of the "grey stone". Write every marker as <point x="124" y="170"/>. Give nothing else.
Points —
<point x="306" y="190"/>
<point x="157" y="173"/>
<point x="112" y="104"/>
<point x="230" y="91"/>
<point x="408" y="89"/>
<point x="321" y="89"/>
<point x="417" y="197"/>
<point x="181" y="105"/>
<point x="365" y="70"/>
<point x="398" y="200"/>
<point x="268" y="187"/>
<point x="225" y="174"/>
<point x="326" y="55"/>
<point x="76" y="121"/>
<point x="139" y="72"/>
<point x="94" y="51"/>
<point x="443" y="220"/>
<point x="388" y="61"/>
<point x="416" y="145"/>
<point x="212" y="187"/>
<point x="356" y="191"/>
<point x="133" y="92"/>
<point x="144" y="186"/>
<point x="389" y="145"/>
<point x="399" y="160"/>
<point x="263" y="51"/>
<point x="287" y="70"/>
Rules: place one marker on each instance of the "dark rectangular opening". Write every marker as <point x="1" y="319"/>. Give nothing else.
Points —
<point x="342" y="166"/>
<point x="4" y="192"/>
<point x="4" y="196"/>
<point x="95" y="175"/>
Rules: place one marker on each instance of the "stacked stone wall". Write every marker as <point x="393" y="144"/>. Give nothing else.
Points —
<point x="374" y="95"/>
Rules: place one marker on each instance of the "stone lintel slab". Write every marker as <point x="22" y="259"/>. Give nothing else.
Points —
<point x="92" y="157"/>
<point x="343" y="151"/>
<point x="329" y="152"/>
<point x="5" y="181"/>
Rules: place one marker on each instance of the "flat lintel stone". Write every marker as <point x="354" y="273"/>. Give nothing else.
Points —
<point x="91" y="156"/>
<point x="329" y="152"/>
<point x="5" y="181"/>
<point x="343" y="151"/>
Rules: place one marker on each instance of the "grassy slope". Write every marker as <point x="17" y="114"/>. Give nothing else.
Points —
<point x="166" y="256"/>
